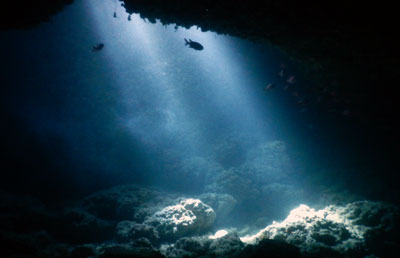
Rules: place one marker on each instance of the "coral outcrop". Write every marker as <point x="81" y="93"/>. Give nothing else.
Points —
<point x="187" y="217"/>
<point x="350" y="230"/>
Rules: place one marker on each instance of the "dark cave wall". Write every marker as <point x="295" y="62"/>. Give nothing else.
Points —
<point x="26" y="14"/>
<point x="339" y="44"/>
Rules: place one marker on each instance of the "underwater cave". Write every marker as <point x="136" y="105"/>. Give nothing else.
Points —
<point x="176" y="129"/>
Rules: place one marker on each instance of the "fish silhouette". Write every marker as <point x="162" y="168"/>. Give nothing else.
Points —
<point x="269" y="86"/>
<point x="193" y="44"/>
<point x="97" y="47"/>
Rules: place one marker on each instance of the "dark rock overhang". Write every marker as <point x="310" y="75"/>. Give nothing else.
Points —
<point x="334" y="42"/>
<point x="349" y="47"/>
<point x="25" y="14"/>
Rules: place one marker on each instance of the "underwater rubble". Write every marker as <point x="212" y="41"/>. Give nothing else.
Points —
<point x="160" y="224"/>
<point x="351" y="230"/>
<point x="189" y="216"/>
<point x="234" y="216"/>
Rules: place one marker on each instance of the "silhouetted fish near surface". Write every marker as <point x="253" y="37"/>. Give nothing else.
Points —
<point x="291" y="80"/>
<point x="98" y="47"/>
<point x="193" y="44"/>
<point x="269" y="86"/>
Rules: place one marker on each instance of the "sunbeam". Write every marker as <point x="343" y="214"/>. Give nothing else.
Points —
<point x="128" y="135"/>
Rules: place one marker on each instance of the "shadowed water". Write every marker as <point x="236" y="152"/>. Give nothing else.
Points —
<point x="117" y="121"/>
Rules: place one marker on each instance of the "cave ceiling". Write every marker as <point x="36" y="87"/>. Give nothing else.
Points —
<point x="350" y="47"/>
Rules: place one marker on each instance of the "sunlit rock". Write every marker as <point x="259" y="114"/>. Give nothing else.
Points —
<point x="219" y="234"/>
<point x="334" y="229"/>
<point x="225" y="246"/>
<point x="205" y="215"/>
<point x="187" y="217"/>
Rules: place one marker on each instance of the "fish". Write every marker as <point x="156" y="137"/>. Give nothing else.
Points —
<point x="97" y="47"/>
<point x="291" y="79"/>
<point x="280" y="74"/>
<point x="269" y="86"/>
<point x="193" y="44"/>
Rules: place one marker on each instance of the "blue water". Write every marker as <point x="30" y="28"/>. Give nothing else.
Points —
<point x="148" y="110"/>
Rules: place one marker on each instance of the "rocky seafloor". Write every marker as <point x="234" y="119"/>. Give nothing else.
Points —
<point x="133" y="221"/>
<point x="240" y="201"/>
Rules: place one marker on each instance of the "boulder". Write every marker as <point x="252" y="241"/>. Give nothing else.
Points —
<point x="188" y="217"/>
<point x="356" y="229"/>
